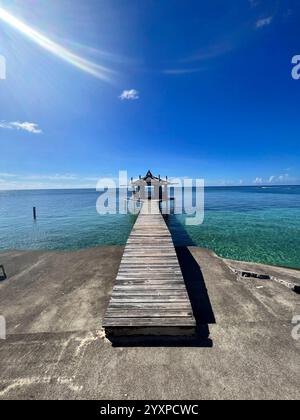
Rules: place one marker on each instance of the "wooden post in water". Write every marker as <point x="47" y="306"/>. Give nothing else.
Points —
<point x="34" y="213"/>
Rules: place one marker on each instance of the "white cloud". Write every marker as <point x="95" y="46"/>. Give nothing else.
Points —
<point x="129" y="95"/>
<point x="25" y="126"/>
<point x="264" y="22"/>
<point x="258" y="181"/>
<point x="284" y="179"/>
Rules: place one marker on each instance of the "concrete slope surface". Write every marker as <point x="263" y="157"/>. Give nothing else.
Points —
<point x="55" y="347"/>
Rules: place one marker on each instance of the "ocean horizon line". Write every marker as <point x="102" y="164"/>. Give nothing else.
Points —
<point x="120" y="188"/>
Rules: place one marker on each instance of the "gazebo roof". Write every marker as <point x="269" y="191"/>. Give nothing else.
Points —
<point x="149" y="175"/>
<point x="149" y="179"/>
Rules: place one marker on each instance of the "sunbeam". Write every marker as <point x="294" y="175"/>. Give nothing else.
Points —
<point x="63" y="53"/>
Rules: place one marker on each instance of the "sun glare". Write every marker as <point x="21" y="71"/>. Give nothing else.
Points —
<point x="63" y="53"/>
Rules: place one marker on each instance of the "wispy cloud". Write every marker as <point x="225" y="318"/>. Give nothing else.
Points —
<point x="12" y="181"/>
<point x="254" y="3"/>
<point x="55" y="177"/>
<point x="105" y="56"/>
<point x="7" y="175"/>
<point x="264" y="22"/>
<point x="25" y="126"/>
<point x="224" y="182"/>
<point x="188" y="64"/>
<point x="179" y="71"/>
<point x="210" y="52"/>
<point x="56" y="49"/>
<point x="129" y="95"/>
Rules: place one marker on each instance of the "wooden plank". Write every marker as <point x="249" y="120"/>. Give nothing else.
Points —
<point x="147" y="299"/>
<point x="150" y="292"/>
<point x="147" y="313"/>
<point x="147" y="322"/>
<point x="149" y="288"/>
<point x="150" y="305"/>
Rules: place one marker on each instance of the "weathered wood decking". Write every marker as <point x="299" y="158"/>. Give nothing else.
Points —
<point x="149" y="296"/>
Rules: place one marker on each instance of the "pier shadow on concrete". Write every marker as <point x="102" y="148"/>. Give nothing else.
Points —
<point x="161" y="341"/>
<point x="197" y="291"/>
<point x="192" y="274"/>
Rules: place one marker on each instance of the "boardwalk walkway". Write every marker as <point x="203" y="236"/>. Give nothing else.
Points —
<point x="149" y="296"/>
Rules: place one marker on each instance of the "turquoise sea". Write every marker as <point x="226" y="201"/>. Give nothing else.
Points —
<point x="259" y="224"/>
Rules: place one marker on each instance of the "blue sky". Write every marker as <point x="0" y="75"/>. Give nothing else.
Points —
<point x="185" y="88"/>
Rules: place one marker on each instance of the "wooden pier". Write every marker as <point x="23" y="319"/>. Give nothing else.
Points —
<point x="149" y="296"/>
